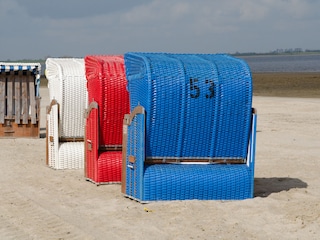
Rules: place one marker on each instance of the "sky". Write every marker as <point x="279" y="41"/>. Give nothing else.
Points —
<point x="37" y="29"/>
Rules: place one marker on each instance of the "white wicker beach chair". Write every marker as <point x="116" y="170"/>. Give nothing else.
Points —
<point x="65" y="121"/>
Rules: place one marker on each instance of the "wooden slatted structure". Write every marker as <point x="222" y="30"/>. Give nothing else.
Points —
<point x="19" y="99"/>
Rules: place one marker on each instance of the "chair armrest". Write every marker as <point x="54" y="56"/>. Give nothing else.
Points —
<point x="52" y="103"/>
<point x="91" y="141"/>
<point x="52" y="133"/>
<point x="252" y="140"/>
<point x="133" y="146"/>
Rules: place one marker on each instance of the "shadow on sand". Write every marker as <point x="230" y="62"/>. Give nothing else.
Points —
<point x="266" y="186"/>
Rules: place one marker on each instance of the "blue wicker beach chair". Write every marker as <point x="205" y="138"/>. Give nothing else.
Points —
<point x="191" y="130"/>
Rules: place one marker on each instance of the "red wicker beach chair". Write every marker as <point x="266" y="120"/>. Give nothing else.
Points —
<point x="108" y="102"/>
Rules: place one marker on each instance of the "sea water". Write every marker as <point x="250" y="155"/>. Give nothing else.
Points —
<point x="283" y="63"/>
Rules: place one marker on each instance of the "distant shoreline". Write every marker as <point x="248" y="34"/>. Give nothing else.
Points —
<point x="277" y="84"/>
<point x="240" y="54"/>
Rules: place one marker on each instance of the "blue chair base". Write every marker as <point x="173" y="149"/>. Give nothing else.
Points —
<point x="195" y="181"/>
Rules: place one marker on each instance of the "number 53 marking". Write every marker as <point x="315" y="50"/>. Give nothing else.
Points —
<point x="196" y="89"/>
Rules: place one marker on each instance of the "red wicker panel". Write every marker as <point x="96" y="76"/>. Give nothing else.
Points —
<point x="109" y="167"/>
<point x="106" y="82"/>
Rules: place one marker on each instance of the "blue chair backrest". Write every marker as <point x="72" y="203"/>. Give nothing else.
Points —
<point x="197" y="105"/>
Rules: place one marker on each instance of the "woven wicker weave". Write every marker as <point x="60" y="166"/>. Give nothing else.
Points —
<point x="68" y="96"/>
<point x="107" y="94"/>
<point x="196" y="107"/>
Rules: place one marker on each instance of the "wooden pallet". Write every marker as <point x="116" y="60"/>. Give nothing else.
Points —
<point x="19" y="105"/>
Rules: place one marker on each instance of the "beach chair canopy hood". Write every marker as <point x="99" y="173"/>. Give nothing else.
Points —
<point x="67" y="85"/>
<point x="197" y="105"/>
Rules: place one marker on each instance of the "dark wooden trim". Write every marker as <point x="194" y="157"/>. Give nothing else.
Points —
<point x="195" y="160"/>
<point x="137" y="110"/>
<point x="110" y="148"/>
<point x="52" y="103"/>
<point x="92" y="105"/>
<point x="71" y="139"/>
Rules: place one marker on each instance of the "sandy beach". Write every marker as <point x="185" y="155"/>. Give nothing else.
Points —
<point x="37" y="202"/>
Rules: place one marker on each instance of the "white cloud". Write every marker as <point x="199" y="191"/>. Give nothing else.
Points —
<point x="253" y="11"/>
<point x="69" y="9"/>
<point x="296" y="9"/>
<point x="7" y="7"/>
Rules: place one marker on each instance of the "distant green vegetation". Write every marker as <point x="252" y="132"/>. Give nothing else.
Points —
<point x="41" y="61"/>
<point x="289" y="51"/>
